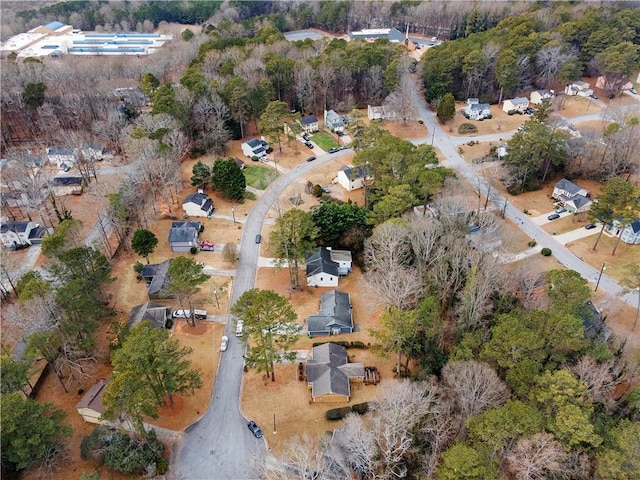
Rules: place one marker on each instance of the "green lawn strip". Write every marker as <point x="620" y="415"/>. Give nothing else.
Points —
<point x="324" y="140"/>
<point x="259" y="177"/>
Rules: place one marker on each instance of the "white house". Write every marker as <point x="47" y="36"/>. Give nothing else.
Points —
<point x="375" y="113"/>
<point x="254" y="148"/>
<point x="90" y="406"/>
<point x="15" y="234"/>
<point x="61" y="156"/>
<point x="198" y="205"/>
<point x="630" y="233"/>
<point x="309" y="123"/>
<point x="334" y="122"/>
<point x="537" y="96"/>
<point x="578" y="204"/>
<point x="352" y="178"/>
<point x="579" y="88"/>
<point x="566" y="189"/>
<point x="515" y="104"/>
<point x="343" y="259"/>
<point x="322" y="271"/>
<point x="476" y="110"/>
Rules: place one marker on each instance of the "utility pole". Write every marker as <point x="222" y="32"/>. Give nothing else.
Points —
<point x="275" y="430"/>
<point x="215" y="294"/>
<point x="233" y="214"/>
<point x="599" y="277"/>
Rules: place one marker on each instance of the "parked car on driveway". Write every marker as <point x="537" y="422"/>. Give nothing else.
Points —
<point x="553" y="216"/>
<point x="255" y="429"/>
<point x="309" y="145"/>
<point x="311" y="159"/>
<point x="224" y="344"/>
<point x="561" y="210"/>
<point x="589" y="226"/>
<point x="199" y="314"/>
<point x="206" y="246"/>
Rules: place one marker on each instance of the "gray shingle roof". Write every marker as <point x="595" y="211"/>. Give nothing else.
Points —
<point x="335" y="310"/>
<point x="520" y="101"/>
<point x="157" y="273"/>
<point x="14" y="227"/>
<point x="352" y="173"/>
<point x="309" y="119"/>
<point x="328" y="370"/>
<point x="154" y="312"/>
<point x="320" y="262"/>
<point x="568" y="186"/>
<point x="199" y="199"/>
<point x="579" y="200"/>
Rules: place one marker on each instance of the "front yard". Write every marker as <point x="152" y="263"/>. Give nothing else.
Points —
<point x="324" y="140"/>
<point x="259" y="177"/>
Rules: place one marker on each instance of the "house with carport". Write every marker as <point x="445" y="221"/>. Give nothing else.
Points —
<point x="334" y="317"/>
<point x="329" y="373"/>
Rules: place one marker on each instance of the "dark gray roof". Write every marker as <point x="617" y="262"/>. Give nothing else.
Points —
<point x="59" y="151"/>
<point x="38" y="232"/>
<point x="154" y="312"/>
<point x="320" y="262"/>
<point x="594" y="327"/>
<point x="182" y="234"/>
<point x="93" y="398"/>
<point x="359" y="171"/>
<point x="183" y="223"/>
<point x="67" y="180"/>
<point x="200" y="199"/>
<point x="635" y="225"/>
<point x="157" y="273"/>
<point x="568" y="186"/>
<point x="579" y="200"/>
<point x="255" y="142"/>
<point x="17" y="227"/>
<point x="329" y="372"/>
<point x="309" y="119"/>
<point x="480" y="106"/>
<point x="519" y="101"/>
<point x="335" y="310"/>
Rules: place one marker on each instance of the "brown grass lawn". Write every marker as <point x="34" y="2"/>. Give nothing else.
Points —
<point x="407" y="130"/>
<point x="615" y="264"/>
<point x="501" y="122"/>
<point x="566" y="224"/>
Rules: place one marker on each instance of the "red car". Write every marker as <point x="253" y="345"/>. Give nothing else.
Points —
<point x="206" y="246"/>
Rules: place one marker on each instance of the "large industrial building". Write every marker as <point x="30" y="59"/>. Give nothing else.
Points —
<point x="56" y="39"/>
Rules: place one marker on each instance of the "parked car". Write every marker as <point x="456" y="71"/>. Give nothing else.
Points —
<point x="340" y="133"/>
<point x="561" y="210"/>
<point x="634" y="91"/>
<point x="206" y="246"/>
<point x="334" y="149"/>
<point x="224" y="344"/>
<point x="553" y="216"/>
<point x="199" y="314"/>
<point x="528" y="111"/>
<point x="239" y="328"/>
<point x="255" y="429"/>
<point x="258" y="238"/>
<point x="309" y="145"/>
<point x="594" y="96"/>
<point x="311" y="159"/>
<point x="589" y="226"/>
<point x="325" y="190"/>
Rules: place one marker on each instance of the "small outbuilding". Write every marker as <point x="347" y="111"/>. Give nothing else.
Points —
<point x="90" y="406"/>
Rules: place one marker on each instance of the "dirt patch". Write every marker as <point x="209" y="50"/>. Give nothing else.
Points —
<point x="406" y="130"/>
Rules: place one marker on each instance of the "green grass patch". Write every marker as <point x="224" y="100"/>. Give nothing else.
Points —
<point x="259" y="177"/>
<point x="324" y="140"/>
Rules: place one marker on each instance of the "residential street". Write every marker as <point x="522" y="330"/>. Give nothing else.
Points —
<point x="220" y="446"/>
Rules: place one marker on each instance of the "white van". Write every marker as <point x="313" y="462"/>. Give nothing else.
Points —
<point x="199" y="314"/>
<point x="239" y="328"/>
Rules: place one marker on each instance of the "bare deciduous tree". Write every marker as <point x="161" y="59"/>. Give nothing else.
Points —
<point x="536" y="458"/>
<point x="300" y="459"/>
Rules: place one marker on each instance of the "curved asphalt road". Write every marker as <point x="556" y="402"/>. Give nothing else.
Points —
<point x="219" y="445"/>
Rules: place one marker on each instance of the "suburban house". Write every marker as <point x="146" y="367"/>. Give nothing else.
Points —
<point x="254" y="148"/>
<point x="335" y="122"/>
<point x="198" y="205"/>
<point x="573" y="197"/>
<point x="309" y="123"/>
<point x="594" y="327"/>
<point x="90" y="406"/>
<point x="334" y="317"/>
<point x="579" y="88"/>
<point x="519" y="104"/>
<point x="352" y="178"/>
<point x="61" y="157"/>
<point x="157" y="314"/>
<point x="15" y="234"/>
<point x="614" y="83"/>
<point x="343" y="259"/>
<point x="155" y="274"/>
<point x="483" y="240"/>
<point x="501" y="151"/>
<point x="537" y="96"/>
<point x="68" y="184"/>
<point x="630" y="234"/>
<point x="322" y="271"/>
<point x="184" y="235"/>
<point x="476" y="110"/>
<point x="240" y="163"/>
<point x="329" y="373"/>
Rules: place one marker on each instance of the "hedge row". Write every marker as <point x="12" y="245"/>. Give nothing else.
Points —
<point x="340" y="413"/>
<point x="355" y="344"/>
